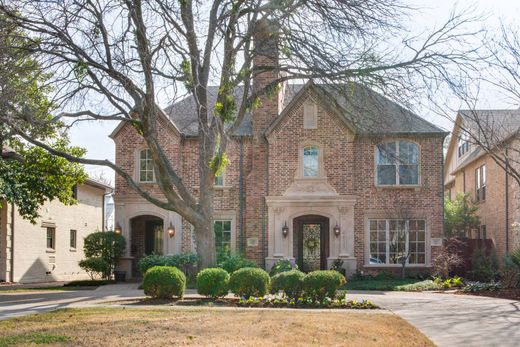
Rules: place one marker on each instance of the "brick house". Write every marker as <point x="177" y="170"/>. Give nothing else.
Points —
<point x="470" y="169"/>
<point x="50" y="249"/>
<point x="317" y="173"/>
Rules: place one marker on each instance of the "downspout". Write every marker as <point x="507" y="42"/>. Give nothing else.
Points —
<point x="443" y="194"/>
<point x="241" y="196"/>
<point x="11" y="274"/>
<point x="103" y="212"/>
<point x="264" y="205"/>
<point x="507" y="204"/>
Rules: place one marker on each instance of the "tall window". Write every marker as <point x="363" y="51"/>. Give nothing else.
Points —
<point x="393" y="239"/>
<point x="51" y="238"/>
<point x="397" y="163"/>
<point x="146" y="166"/>
<point x="73" y="239"/>
<point x="311" y="161"/>
<point x="480" y="183"/>
<point x="219" y="180"/>
<point x="222" y="230"/>
<point x="463" y="144"/>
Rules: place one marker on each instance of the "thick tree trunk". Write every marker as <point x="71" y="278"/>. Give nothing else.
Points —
<point x="205" y="242"/>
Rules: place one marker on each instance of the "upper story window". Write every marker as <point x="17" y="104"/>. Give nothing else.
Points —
<point x="51" y="238"/>
<point x="219" y="180"/>
<point x="480" y="183"/>
<point x="310" y="116"/>
<point x="463" y="144"/>
<point x="146" y="166"/>
<point x="311" y="165"/>
<point x="397" y="163"/>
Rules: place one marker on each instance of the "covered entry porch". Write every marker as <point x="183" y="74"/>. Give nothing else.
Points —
<point x="312" y="230"/>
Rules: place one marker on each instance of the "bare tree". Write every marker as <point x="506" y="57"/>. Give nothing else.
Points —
<point x="128" y="55"/>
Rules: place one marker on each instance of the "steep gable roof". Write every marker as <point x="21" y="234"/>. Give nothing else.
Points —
<point x="362" y="109"/>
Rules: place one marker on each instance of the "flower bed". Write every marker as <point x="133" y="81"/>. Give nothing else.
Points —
<point x="282" y="302"/>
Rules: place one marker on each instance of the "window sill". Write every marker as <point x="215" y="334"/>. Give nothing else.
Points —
<point x="50" y="250"/>
<point x="222" y="187"/>
<point x="403" y="186"/>
<point x="72" y="250"/>
<point x="395" y="265"/>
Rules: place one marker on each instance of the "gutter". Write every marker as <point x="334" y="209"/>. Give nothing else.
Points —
<point x="507" y="203"/>
<point x="241" y="197"/>
<point x="11" y="273"/>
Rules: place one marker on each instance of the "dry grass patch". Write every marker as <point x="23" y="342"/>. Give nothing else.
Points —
<point x="211" y="327"/>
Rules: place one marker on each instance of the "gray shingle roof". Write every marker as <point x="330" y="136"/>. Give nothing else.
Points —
<point x="367" y="111"/>
<point x="497" y="125"/>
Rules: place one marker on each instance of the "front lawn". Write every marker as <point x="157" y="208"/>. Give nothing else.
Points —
<point x="209" y="327"/>
<point x="396" y="284"/>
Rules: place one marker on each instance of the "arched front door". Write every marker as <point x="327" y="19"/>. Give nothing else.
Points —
<point x="311" y="242"/>
<point x="147" y="233"/>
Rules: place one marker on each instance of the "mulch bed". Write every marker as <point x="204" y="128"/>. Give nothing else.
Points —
<point x="511" y="294"/>
<point x="231" y="302"/>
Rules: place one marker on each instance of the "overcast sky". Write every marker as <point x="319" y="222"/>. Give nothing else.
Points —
<point x="94" y="135"/>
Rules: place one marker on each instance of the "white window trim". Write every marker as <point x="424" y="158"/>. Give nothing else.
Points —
<point x="321" y="161"/>
<point x="427" y="244"/>
<point x="223" y="185"/>
<point x="229" y="216"/>
<point x="138" y="167"/>
<point x="397" y="185"/>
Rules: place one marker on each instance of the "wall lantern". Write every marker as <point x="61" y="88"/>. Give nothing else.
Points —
<point x="337" y="230"/>
<point x="285" y="230"/>
<point x="118" y="230"/>
<point x="171" y="230"/>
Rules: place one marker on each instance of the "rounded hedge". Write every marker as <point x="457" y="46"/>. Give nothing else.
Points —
<point x="283" y="265"/>
<point x="249" y="281"/>
<point x="290" y="282"/>
<point x="213" y="282"/>
<point x="235" y="262"/>
<point x="323" y="283"/>
<point x="164" y="282"/>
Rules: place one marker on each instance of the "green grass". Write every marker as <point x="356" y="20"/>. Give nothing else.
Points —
<point x="37" y="338"/>
<point x="394" y="284"/>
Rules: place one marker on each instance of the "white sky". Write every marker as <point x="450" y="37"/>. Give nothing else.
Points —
<point x="94" y="135"/>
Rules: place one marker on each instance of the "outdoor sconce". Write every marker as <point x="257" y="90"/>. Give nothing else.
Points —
<point x="337" y="230"/>
<point x="118" y="230"/>
<point x="285" y="230"/>
<point x="171" y="230"/>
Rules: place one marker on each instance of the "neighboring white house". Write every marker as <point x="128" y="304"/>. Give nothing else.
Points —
<point x="50" y="249"/>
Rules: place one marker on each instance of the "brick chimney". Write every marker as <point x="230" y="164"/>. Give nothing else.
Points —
<point x="266" y="53"/>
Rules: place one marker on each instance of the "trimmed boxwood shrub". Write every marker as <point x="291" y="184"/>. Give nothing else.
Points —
<point x="235" y="262"/>
<point x="181" y="261"/>
<point x="213" y="282"/>
<point x="290" y="282"/>
<point x="249" y="281"/>
<point x="283" y="265"/>
<point x="95" y="267"/>
<point x="164" y="282"/>
<point x="318" y="285"/>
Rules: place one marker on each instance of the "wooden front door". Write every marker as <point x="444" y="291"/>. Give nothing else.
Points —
<point x="311" y="242"/>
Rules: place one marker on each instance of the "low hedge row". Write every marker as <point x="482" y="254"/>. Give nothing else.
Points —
<point x="166" y="282"/>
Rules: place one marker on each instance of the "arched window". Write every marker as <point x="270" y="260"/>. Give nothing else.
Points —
<point x="397" y="163"/>
<point x="146" y="166"/>
<point x="311" y="165"/>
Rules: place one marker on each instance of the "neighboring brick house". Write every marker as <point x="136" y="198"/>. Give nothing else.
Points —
<point x="50" y="249"/>
<point x="317" y="173"/>
<point x="470" y="169"/>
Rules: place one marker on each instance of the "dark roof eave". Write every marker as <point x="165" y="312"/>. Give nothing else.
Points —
<point x="406" y="133"/>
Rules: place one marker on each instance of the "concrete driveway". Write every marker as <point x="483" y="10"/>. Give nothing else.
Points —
<point x="447" y="319"/>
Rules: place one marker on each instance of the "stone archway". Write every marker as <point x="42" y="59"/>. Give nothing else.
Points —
<point x="147" y="237"/>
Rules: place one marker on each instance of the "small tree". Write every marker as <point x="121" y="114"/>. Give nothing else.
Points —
<point x="107" y="246"/>
<point x="460" y="216"/>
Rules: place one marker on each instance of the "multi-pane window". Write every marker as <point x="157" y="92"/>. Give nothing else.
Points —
<point x="219" y="180"/>
<point x="222" y="230"/>
<point x="483" y="232"/>
<point x="392" y="240"/>
<point x="146" y="166"/>
<point x="311" y="161"/>
<point x="397" y="163"/>
<point x="51" y="238"/>
<point x="463" y="144"/>
<point x="480" y="183"/>
<point x="73" y="239"/>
